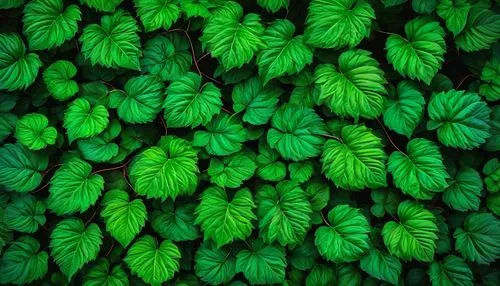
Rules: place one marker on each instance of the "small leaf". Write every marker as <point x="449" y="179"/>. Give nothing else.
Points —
<point x="231" y="171"/>
<point x="385" y="201"/>
<point x="103" y="275"/>
<point x="424" y="6"/>
<point x="300" y="171"/>
<point x="490" y="75"/>
<point x="268" y="166"/>
<point x="82" y="120"/>
<point x="454" y="13"/>
<point x="102" y="5"/>
<point x="491" y="170"/>
<point x="273" y="5"/>
<point x="214" y="265"/>
<point x="453" y="270"/>
<point x="25" y="214"/>
<point x="382" y="266"/>
<point x="175" y="221"/>
<point x="156" y="14"/>
<point x="464" y="191"/>
<point x="33" y="131"/>
<point x="481" y="31"/>
<point x="100" y="148"/>
<point x="58" y="79"/>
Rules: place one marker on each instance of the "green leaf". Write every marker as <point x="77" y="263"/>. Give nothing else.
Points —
<point x="345" y="237"/>
<point x="357" y="161"/>
<point x="124" y="219"/>
<point x="7" y="124"/>
<point x="8" y="4"/>
<point x="284" y="213"/>
<point x="491" y="170"/>
<point x="268" y="166"/>
<point x="33" y="131"/>
<point x="385" y="201"/>
<point x="479" y="240"/>
<point x="114" y="43"/>
<point x="338" y="24"/>
<point x="321" y="275"/>
<point x="354" y="88"/>
<point x="306" y="92"/>
<point x="481" y="31"/>
<point x="103" y="275"/>
<point x="273" y="5"/>
<point x="175" y="221"/>
<point x="166" y="170"/>
<point x="166" y="56"/>
<point x="142" y="99"/>
<point x="262" y="264"/>
<point x="318" y="194"/>
<point x="301" y="171"/>
<point x="455" y="13"/>
<point x="152" y="262"/>
<point x="23" y="262"/>
<point x="404" y="112"/>
<point x="232" y="37"/>
<point x="421" y="54"/>
<point x="424" y="6"/>
<point x="461" y="119"/>
<point x="296" y="132"/>
<point x="47" y="24"/>
<point x="303" y="256"/>
<point x="490" y="75"/>
<point x="419" y="173"/>
<point x="443" y="245"/>
<point x="493" y="203"/>
<point x="189" y="103"/>
<point x="24" y="214"/>
<point x="382" y="266"/>
<point x="58" y="80"/>
<point x="222" y="219"/>
<point x="231" y="171"/>
<point x="197" y="8"/>
<point x="464" y="191"/>
<point x="224" y="135"/>
<point x="101" y="148"/>
<point x="18" y="70"/>
<point x="392" y="3"/>
<point x="284" y="53"/>
<point x="102" y="5"/>
<point x="214" y="265"/>
<point x="156" y="14"/>
<point x="73" y="245"/>
<point x="414" y="236"/>
<point x="82" y="120"/>
<point x="258" y="102"/>
<point x="20" y="168"/>
<point x="453" y="270"/>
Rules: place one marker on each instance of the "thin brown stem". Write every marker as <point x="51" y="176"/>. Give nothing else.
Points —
<point x="162" y="121"/>
<point x="388" y="136"/>
<point x="93" y="215"/>
<point x="387" y="33"/>
<point x="108" y="84"/>
<point x="212" y="79"/>
<point x="202" y="57"/>
<point x="463" y="80"/>
<point x="324" y="220"/>
<point x="110" y="248"/>
<point x="42" y="187"/>
<point x="331" y="136"/>
<point x="225" y="110"/>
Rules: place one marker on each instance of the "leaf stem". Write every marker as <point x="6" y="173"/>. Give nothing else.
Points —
<point x="324" y="219"/>
<point x="463" y="80"/>
<point x="93" y="215"/>
<point x="389" y="137"/>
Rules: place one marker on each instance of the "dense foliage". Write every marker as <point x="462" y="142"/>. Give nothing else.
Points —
<point x="208" y="142"/>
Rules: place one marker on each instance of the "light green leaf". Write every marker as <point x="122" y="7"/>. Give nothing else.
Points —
<point x="354" y="88"/>
<point x="419" y="173"/>
<point x="452" y="271"/>
<point x="33" y="131"/>
<point x="491" y="170"/>
<point x="114" y="43"/>
<point x="222" y="219"/>
<point x="464" y="191"/>
<point x="345" y="238"/>
<point x="306" y="92"/>
<point x="101" y="148"/>
<point x="405" y="110"/>
<point x="102" y="5"/>
<point x="231" y="171"/>
<point x="414" y="236"/>
<point x="338" y="24"/>
<point x="197" y="8"/>
<point x="268" y="166"/>
<point x="18" y="70"/>
<point x="214" y="265"/>
<point x="300" y="171"/>
<point x="424" y="6"/>
<point x="296" y="132"/>
<point x="73" y="245"/>
<point x="156" y="14"/>
<point x="284" y="213"/>
<point x="232" y="37"/>
<point x="58" y="80"/>
<point x="382" y="266"/>
<point x="421" y="54"/>
<point x="82" y="120"/>
<point x="262" y="264"/>
<point x="479" y="240"/>
<point x="24" y="214"/>
<point x="481" y="31"/>
<point x="384" y="201"/>
<point x="124" y="219"/>
<point x="152" y="262"/>
<point x="103" y="275"/>
<point x="258" y="102"/>
<point x="20" y="168"/>
<point x="175" y="221"/>
<point x="461" y="119"/>
<point x="273" y="5"/>
<point x="356" y="162"/>
<point x="47" y="24"/>
<point x="189" y="103"/>
<point x="23" y="262"/>
<point x="490" y="75"/>
<point x="454" y="12"/>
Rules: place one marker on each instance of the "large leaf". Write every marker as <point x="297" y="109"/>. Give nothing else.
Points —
<point x="175" y="221"/>
<point x="421" y="54"/>
<point x="481" y="31"/>
<point x="103" y="275"/>
<point x="232" y="37"/>
<point x="414" y="236"/>
<point x="23" y="262"/>
<point x="357" y="161"/>
<point x="262" y="264"/>
<point x="284" y="213"/>
<point x="464" y="191"/>
<point x="382" y="266"/>
<point x="34" y="132"/>
<point x="18" y="70"/>
<point x="82" y="120"/>
<point x="124" y="219"/>
<point x="73" y="245"/>
<point x="214" y="265"/>
<point x="73" y="188"/>
<point x="452" y="271"/>
<point x="20" y="169"/>
<point x="296" y="132"/>
<point x="338" y="24"/>
<point x="155" y="262"/>
<point x="345" y="237"/>
<point x="490" y="75"/>
<point x="166" y="170"/>
<point x="47" y="24"/>
<point x="114" y="43"/>
<point x="189" y="103"/>
<point x="454" y="12"/>
<point x="25" y="214"/>
<point x="231" y="171"/>
<point x="156" y="14"/>
<point x="479" y="239"/>
<point x="58" y="79"/>
<point x="222" y="219"/>
<point x="461" y="119"/>
<point x="419" y="173"/>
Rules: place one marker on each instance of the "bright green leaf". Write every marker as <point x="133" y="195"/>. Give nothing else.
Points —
<point x="455" y="13"/>
<point x="83" y="120"/>
<point x="58" y="80"/>
<point x="231" y="171"/>
<point x="382" y="266"/>
<point x="464" y="191"/>
<point x="481" y="31"/>
<point x="214" y="265"/>
<point x="103" y="275"/>
<point x="102" y="5"/>
<point x="156" y="14"/>
<point x="33" y="131"/>
<point x="25" y="214"/>
<point x="452" y="271"/>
